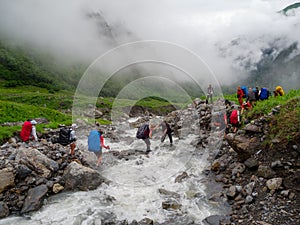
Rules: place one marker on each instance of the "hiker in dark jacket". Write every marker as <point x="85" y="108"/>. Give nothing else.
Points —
<point x="251" y="96"/>
<point x="210" y="92"/>
<point x="166" y="129"/>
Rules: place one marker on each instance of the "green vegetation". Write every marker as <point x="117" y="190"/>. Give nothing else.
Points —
<point x="286" y="125"/>
<point x="265" y="107"/>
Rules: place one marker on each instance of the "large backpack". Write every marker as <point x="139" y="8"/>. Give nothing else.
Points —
<point x="64" y="136"/>
<point x="264" y="94"/>
<point x="245" y="91"/>
<point x="234" y="117"/>
<point x="143" y="132"/>
<point x="94" y="141"/>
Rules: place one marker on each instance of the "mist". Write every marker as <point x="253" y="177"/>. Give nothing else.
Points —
<point x="228" y="36"/>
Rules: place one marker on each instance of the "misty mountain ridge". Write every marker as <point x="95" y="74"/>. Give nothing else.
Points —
<point x="268" y="61"/>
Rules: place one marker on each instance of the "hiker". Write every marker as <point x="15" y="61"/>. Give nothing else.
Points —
<point x="72" y="139"/>
<point x="239" y="95"/>
<point x="256" y="93"/>
<point x="278" y="91"/>
<point x="33" y="130"/>
<point x="26" y="130"/>
<point x="166" y="129"/>
<point x="263" y="94"/>
<point x="145" y="133"/>
<point x="99" y="154"/>
<point x="235" y="119"/>
<point x="209" y="95"/>
<point x="246" y="106"/>
<point x="251" y="96"/>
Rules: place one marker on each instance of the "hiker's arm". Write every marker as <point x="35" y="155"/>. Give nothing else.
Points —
<point x="102" y="143"/>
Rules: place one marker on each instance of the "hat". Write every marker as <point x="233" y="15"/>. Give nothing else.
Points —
<point x="74" y="125"/>
<point x="33" y="122"/>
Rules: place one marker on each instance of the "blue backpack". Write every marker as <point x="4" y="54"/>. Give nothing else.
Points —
<point x="94" y="141"/>
<point x="245" y="91"/>
<point x="264" y="94"/>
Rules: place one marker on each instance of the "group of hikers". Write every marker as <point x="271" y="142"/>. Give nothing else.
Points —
<point x="67" y="136"/>
<point x="247" y="98"/>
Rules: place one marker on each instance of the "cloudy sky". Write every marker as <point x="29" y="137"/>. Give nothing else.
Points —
<point x="220" y="32"/>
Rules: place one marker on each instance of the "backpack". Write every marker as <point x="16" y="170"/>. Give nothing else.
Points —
<point x="264" y="94"/>
<point x="245" y="91"/>
<point x="234" y="117"/>
<point x="64" y="136"/>
<point x="143" y="132"/>
<point x="94" y="141"/>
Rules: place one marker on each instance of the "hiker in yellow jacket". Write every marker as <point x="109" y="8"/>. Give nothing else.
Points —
<point x="278" y="91"/>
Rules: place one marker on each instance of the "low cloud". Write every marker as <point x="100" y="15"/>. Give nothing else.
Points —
<point x="227" y="35"/>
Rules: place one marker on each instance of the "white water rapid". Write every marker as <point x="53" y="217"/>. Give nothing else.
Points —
<point x="133" y="193"/>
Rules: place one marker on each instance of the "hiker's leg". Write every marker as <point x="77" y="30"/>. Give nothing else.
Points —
<point x="99" y="160"/>
<point x="147" y="141"/>
<point x="170" y="138"/>
<point x="72" y="148"/>
<point x="163" y="138"/>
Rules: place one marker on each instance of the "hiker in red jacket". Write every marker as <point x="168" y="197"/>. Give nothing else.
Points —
<point x="26" y="130"/>
<point x="235" y="119"/>
<point x="239" y="95"/>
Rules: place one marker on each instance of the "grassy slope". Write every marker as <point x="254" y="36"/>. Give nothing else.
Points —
<point x="20" y="103"/>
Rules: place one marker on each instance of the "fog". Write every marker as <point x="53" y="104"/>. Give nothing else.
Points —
<point x="227" y="35"/>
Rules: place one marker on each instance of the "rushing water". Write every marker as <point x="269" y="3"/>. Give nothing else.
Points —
<point x="133" y="192"/>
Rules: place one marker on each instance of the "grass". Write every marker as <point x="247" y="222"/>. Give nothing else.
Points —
<point x="286" y="125"/>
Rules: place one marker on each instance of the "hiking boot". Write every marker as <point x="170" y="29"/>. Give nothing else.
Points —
<point x="147" y="151"/>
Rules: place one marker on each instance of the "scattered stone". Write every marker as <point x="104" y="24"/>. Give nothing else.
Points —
<point x="274" y="184"/>
<point x="4" y="210"/>
<point x="171" y="205"/>
<point x="182" y="176"/>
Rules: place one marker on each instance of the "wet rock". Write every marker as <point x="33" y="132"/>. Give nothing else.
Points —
<point x="7" y="179"/>
<point x="168" y="193"/>
<point x="80" y="177"/>
<point x="145" y="221"/>
<point x="181" y="177"/>
<point x="4" y="210"/>
<point x="216" y="220"/>
<point x="34" y="199"/>
<point x="171" y="205"/>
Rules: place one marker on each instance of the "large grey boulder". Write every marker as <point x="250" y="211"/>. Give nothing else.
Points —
<point x="34" y="199"/>
<point x="36" y="161"/>
<point x="78" y="177"/>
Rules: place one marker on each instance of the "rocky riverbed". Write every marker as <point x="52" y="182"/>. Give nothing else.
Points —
<point x="261" y="185"/>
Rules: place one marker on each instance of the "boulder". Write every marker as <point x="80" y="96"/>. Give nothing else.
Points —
<point x="7" y="179"/>
<point x="36" y="161"/>
<point x="80" y="177"/>
<point x="242" y="145"/>
<point x="34" y="199"/>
